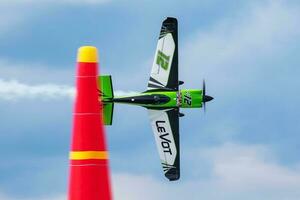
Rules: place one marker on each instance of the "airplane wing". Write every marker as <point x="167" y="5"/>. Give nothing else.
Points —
<point x="164" y="72"/>
<point x="165" y="125"/>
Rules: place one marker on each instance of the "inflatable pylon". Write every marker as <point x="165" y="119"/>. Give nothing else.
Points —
<point x="89" y="169"/>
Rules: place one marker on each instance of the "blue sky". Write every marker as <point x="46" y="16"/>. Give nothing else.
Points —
<point x="245" y="147"/>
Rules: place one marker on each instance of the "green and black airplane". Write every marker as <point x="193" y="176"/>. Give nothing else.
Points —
<point x="163" y="98"/>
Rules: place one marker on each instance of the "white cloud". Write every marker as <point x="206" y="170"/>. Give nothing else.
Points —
<point x="16" y="13"/>
<point x="237" y="172"/>
<point x="13" y="90"/>
<point x="53" y="2"/>
<point x="252" y="168"/>
<point x="80" y="2"/>
<point x="32" y="81"/>
<point x="38" y="81"/>
<point x="7" y="197"/>
<point x="36" y="73"/>
<point x="4" y="197"/>
<point x="235" y="51"/>
<point x="124" y="93"/>
<point x="60" y="197"/>
<point x="12" y="16"/>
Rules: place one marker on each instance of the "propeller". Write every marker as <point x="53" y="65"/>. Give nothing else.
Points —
<point x="206" y="98"/>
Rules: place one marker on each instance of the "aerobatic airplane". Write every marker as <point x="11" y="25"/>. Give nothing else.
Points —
<point x="163" y="99"/>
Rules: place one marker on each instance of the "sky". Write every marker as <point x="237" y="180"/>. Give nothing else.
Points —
<point x="246" y="146"/>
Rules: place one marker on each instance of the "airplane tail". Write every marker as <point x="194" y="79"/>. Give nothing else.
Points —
<point x="106" y="88"/>
<point x="107" y="94"/>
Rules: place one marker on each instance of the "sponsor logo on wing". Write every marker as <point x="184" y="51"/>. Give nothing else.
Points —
<point x="164" y="136"/>
<point x="167" y="167"/>
<point x="162" y="60"/>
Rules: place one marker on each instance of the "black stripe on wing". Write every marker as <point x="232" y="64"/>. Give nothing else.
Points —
<point x="170" y="25"/>
<point x="155" y="86"/>
<point x="173" y="173"/>
<point x="155" y="81"/>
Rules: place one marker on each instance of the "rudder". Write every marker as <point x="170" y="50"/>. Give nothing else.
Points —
<point x="106" y="88"/>
<point x="106" y="94"/>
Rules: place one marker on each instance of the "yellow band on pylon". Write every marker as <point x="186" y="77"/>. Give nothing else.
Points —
<point x="85" y="155"/>
<point x="87" y="54"/>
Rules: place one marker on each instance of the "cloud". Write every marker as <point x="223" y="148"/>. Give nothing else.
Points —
<point x="38" y="81"/>
<point x="237" y="172"/>
<point x="13" y="90"/>
<point x="7" y="197"/>
<point x="53" y="2"/>
<point x="124" y="93"/>
<point x="11" y="16"/>
<point x="36" y="73"/>
<point x="80" y="2"/>
<point x="243" y="47"/>
<point x="16" y="13"/>
<point x="251" y="168"/>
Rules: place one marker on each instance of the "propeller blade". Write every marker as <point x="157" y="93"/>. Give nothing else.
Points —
<point x="205" y="98"/>
<point x="204" y="88"/>
<point x="204" y="94"/>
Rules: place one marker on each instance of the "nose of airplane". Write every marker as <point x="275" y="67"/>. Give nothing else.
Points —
<point x="207" y="98"/>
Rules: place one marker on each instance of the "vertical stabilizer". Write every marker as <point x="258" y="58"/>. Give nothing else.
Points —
<point x="106" y="94"/>
<point x="105" y="87"/>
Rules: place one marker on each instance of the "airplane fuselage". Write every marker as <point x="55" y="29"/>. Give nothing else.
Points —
<point x="186" y="98"/>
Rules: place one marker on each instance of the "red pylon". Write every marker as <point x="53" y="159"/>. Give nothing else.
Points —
<point x="89" y="169"/>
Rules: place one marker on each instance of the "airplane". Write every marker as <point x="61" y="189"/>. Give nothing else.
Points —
<point x="163" y="98"/>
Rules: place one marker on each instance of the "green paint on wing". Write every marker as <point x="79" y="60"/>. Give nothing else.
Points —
<point x="162" y="60"/>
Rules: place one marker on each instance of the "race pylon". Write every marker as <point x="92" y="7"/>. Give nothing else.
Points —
<point x="89" y="167"/>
